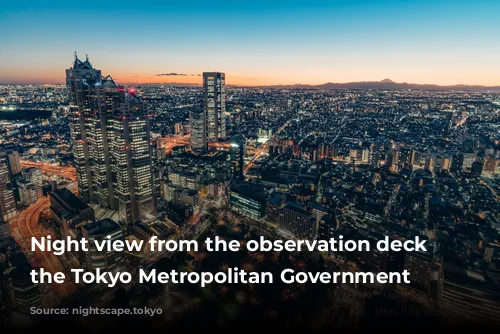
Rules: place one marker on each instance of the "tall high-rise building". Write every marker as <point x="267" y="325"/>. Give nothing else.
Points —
<point x="27" y="192"/>
<point x="237" y="152"/>
<point x="198" y="130"/>
<point x="81" y="80"/>
<point x="111" y="144"/>
<point x="7" y="201"/>
<point x="131" y="152"/>
<point x="14" y="163"/>
<point x="100" y="132"/>
<point x="215" y="104"/>
<point x="35" y="176"/>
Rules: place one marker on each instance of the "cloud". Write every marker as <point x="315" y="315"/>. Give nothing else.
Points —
<point x="173" y="74"/>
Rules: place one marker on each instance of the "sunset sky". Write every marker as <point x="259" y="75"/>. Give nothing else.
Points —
<point x="255" y="42"/>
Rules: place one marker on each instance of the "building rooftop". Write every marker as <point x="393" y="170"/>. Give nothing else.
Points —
<point x="100" y="227"/>
<point x="297" y="208"/>
<point x="238" y="139"/>
<point x="249" y="190"/>
<point x="69" y="198"/>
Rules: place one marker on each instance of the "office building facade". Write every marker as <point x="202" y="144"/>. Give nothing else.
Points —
<point x="215" y="104"/>
<point x="68" y="211"/>
<point x="237" y="152"/>
<point x="296" y="220"/>
<point x="7" y="202"/>
<point x="14" y="163"/>
<point x="111" y="144"/>
<point x="198" y="128"/>
<point x="248" y="201"/>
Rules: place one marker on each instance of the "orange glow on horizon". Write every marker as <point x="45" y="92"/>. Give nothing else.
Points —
<point x="255" y="79"/>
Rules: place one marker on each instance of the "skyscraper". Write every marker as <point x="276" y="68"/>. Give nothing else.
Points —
<point x="111" y="144"/>
<point x="215" y="104"/>
<point x="237" y="152"/>
<point x="14" y="163"/>
<point x="198" y="128"/>
<point x="131" y="153"/>
<point x="81" y="80"/>
<point x="7" y="202"/>
<point x="100" y="134"/>
<point x="35" y="176"/>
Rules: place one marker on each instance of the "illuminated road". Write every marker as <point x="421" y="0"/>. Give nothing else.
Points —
<point x="264" y="148"/>
<point x="25" y="226"/>
<point x="167" y="143"/>
<point x="68" y="172"/>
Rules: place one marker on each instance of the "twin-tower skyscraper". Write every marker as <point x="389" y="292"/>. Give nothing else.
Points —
<point x="111" y="144"/>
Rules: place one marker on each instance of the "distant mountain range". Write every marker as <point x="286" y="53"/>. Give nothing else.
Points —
<point x="385" y="84"/>
<point x="388" y="84"/>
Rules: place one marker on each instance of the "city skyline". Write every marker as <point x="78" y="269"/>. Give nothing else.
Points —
<point x="228" y="165"/>
<point x="96" y="161"/>
<point x="260" y="43"/>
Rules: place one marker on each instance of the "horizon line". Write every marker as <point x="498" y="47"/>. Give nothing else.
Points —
<point x="384" y="81"/>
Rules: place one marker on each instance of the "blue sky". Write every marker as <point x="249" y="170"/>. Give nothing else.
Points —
<point x="255" y="42"/>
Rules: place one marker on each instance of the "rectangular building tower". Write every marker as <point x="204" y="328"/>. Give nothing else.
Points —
<point x="215" y="104"/>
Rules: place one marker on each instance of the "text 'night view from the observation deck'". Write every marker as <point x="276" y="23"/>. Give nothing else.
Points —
<point x="289" y="165"/>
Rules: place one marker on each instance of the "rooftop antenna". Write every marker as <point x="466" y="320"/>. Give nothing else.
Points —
<point x="76" y="57"/>
<point x="86" y="57"/>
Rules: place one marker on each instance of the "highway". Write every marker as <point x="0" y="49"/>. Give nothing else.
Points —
<point x="167" y="143"/>
<point x="68" y="172"/>
<point x="25" y="226"/>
